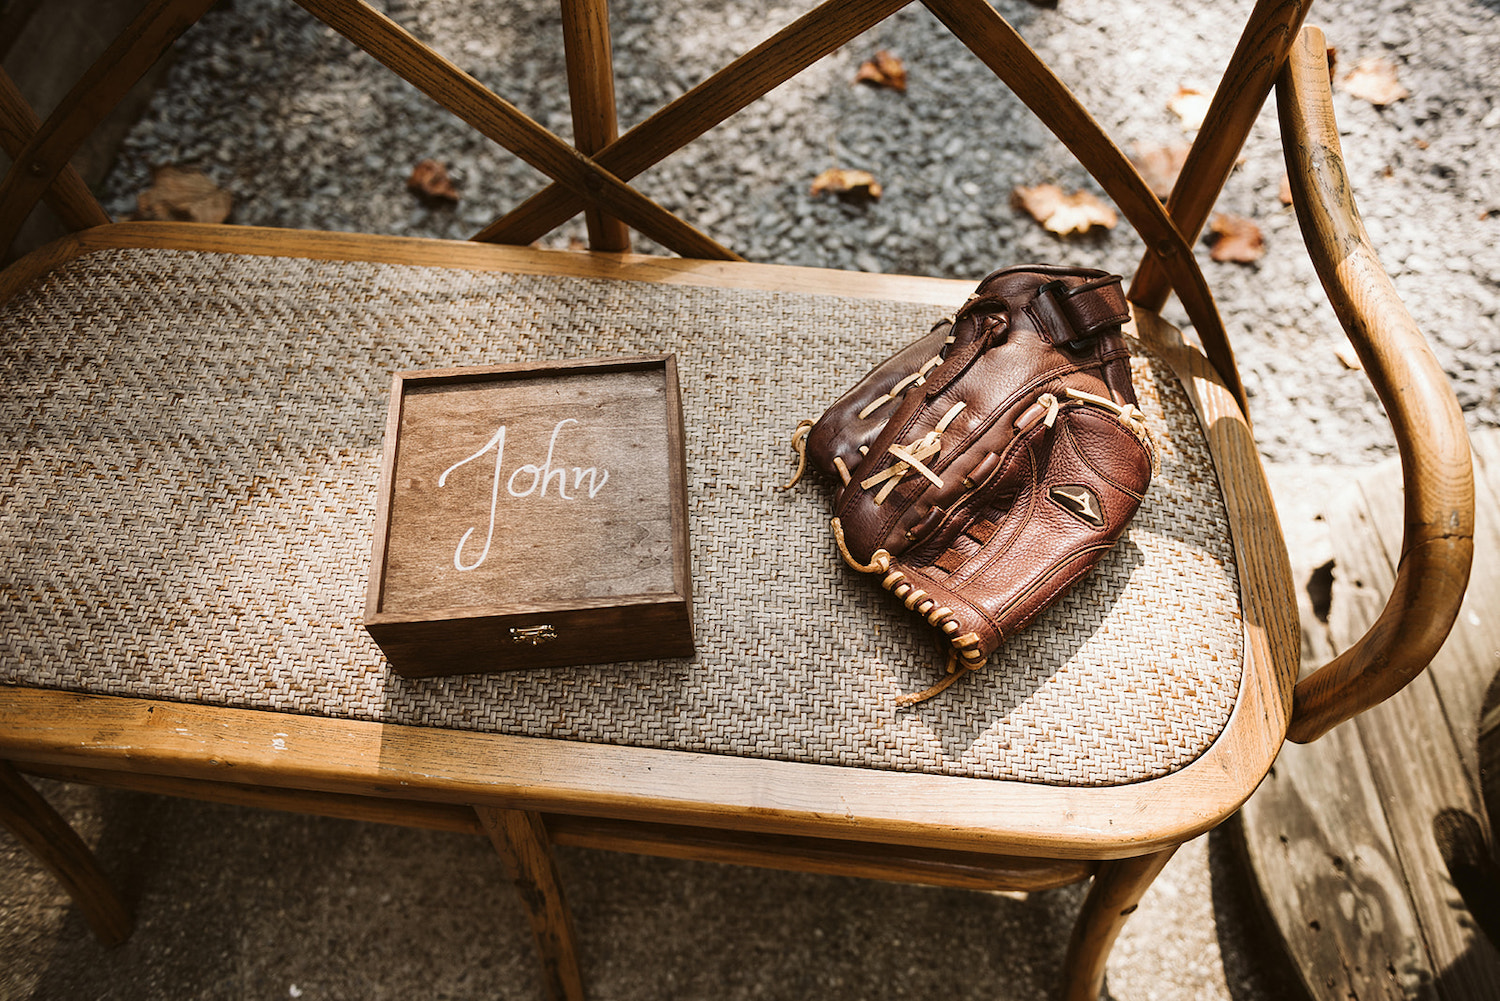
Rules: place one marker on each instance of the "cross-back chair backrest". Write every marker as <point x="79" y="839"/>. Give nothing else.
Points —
<point x="593" y="175"/>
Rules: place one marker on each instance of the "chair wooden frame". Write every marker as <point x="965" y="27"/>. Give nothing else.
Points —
<point x="526" y="793"/>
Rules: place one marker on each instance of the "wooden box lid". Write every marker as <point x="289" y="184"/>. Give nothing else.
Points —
<point x="532" y="516"/>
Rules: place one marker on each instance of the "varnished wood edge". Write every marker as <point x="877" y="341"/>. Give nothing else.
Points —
<point x="1271" y="640"/>
<point x="969" y="870"/>
<point x="262" y="748"/>
<point x="677" y="489"/>
<point x="1437" y="467"/>
<point x="942" y="293"/>
<point x="1267" y="36"/>
<point x="380" y="538"/>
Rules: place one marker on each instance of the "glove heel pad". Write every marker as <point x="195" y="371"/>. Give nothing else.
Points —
<point x="1059" y="500"/>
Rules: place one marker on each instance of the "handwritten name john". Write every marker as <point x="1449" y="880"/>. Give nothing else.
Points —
<point x="537" y="480"/>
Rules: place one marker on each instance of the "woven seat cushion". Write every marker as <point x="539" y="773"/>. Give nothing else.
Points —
<point x="191" y="449"/>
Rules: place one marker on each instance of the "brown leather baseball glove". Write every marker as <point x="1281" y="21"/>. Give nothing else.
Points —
<point x="989" y="465"/>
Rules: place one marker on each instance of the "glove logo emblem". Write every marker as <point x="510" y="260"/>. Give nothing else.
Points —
<point x="1079" y="501"/>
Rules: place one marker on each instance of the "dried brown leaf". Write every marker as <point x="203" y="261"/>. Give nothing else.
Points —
<point x="1062" y="213"/>
<point x="883" y="69"/>
<point x="1236" y="239"/>
<point x="1191" y="106"/>
<point x="850" y="185"/>
<point x="1374" y="79"/>
<point x="429" y="181"/>
<point x="1160" y="165"/>
<point x="184" y="195"/>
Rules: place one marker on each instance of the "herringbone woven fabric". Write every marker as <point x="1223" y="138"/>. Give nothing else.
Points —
<point x="191" y="448"/>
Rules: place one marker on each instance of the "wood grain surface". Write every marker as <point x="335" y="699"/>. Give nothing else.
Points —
<point x="1359" y="840"/>
<point x="1437" y="546"/>
<point x="591" y="93"/>
<point x="1267" y="37"/>
<point x="531" y="516"/>
<point x="544" y="485"/>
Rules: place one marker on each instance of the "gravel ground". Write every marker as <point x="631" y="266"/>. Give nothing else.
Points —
<point x="307" y="132"/>
<point x="304" y="132"/>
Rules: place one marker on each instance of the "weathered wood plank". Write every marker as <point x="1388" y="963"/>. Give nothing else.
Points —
<point x="1317" y="841"/>
<point x="1418" y="768"/>
<point x="1463" y="668"/>
<point x="1487" y="469"/>
<point x="1317" y="838"/>
<point x="1385" y="796"/>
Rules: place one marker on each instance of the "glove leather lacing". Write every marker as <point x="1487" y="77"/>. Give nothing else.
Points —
<point x="913" y="457"/>
<point x="1046" y="409"/>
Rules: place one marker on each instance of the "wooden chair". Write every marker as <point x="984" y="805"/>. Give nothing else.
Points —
<point x="193" y="439"/>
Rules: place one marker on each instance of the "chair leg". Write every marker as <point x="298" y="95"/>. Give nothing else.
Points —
<point x="1117" y="890"/>
<point x="521" y="840"/>
<point x="56" y="845"/>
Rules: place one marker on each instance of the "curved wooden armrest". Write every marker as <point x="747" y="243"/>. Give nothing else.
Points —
<point x="1438" y="542"/>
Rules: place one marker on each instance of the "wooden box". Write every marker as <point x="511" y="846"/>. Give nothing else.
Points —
<point x="532" y="516"/>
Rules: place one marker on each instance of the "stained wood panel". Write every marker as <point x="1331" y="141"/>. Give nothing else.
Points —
<point x="531" y="516"/>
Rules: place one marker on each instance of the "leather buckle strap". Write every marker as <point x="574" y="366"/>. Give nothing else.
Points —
<point x="1075" y="314"/>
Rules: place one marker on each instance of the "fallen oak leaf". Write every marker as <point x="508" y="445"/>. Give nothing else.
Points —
<point x="1374" y="79"/>
<point x="429" y="181"/>
<point x="183" y="195"/>
<point x="849" y="185"/>
<point x="1062" y="213"/>
<point x="1191" y="106"/>
<point x="884" y="69"/>
<point x="1236" y="239"/>
<point x="1160" y="165"/>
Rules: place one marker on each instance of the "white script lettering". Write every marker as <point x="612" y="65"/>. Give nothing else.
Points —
<point x="540" y="478"/>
